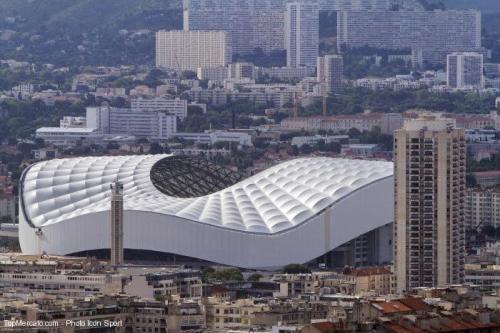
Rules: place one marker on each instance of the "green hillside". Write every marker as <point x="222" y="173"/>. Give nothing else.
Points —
<point x="79" y="16"/>
<point x="67" y="32"/>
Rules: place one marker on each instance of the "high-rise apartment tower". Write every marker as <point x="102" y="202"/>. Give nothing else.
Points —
<point x="465" y="69"/>
<point x="301" y="34"/>
<point x="429" y="162"/>
<point x="330" y="71"/>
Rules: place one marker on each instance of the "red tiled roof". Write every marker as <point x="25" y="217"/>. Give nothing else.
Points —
<point x="491" y="173"/>
<point x="416" y="304"/>
<point x="391" y="307"/>
<point x="397" y="328"/>
<point x="446" y="324"/>
<point x="324" y="326"/>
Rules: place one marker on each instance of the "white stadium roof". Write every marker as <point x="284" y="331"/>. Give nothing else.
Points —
<point x="66" y="196"/>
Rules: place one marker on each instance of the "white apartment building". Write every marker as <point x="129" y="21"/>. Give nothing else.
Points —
<point x="250" y="24"/>
<point x="392" y="83"/>
<point x="301" y="34"/>
<point x="217" y="74"/>
<point x="215" y="96"/>
<point x="190" y="50"/>
<point x="72" y="136"/>
<point x="8" y="206"/>
<point x="258" y="23"/>
<point x="117" y="121"/>
<point x="241" y="70"/>
<point x="388" y="123"/>
<point x="482" y="207"/>
<point x="330" y="69"/>
<point x="465" y="70"/>
<point x="286" y="73"/>
<point x="105" y="122"/>
<point x="431" y="35"/>
<point x="177" y="106"/>
<point x="429" y="184"/>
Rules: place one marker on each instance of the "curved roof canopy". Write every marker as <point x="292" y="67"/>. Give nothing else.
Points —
<point x="272" y="201"/>
<point x="188" y="177"/>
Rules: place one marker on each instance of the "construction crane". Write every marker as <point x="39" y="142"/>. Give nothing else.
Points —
<point x="295" y="106"/>
<point x="325" y="105"/>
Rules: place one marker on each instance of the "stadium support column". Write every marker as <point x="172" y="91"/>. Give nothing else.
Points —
<point x="116" y="224"/>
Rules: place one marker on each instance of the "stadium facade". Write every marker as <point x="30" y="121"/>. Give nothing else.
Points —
<point x="294" y="212"/>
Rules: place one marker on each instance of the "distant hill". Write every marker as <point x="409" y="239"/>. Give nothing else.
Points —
<point x="73" y="32"/>
<point x="80" y="16"/>
<point x="486" y="6"/>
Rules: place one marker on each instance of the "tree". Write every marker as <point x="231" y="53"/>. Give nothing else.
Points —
<point x="6" y="219"/>
<point x="306" y="149"/>
<point x="354" y="133"/>
<point x="489" y="231"/>
<point x="156" y="148"/>
<point x="254" y="277"/>
<point x="226" y="274"/>
<point x="295" y="269"/>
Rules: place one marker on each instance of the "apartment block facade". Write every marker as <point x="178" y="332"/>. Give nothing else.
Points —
<point x="177" y="106"/>
<point x="429" y="35"/>
<point x="189" y="50"/>
<point x="464" y="70"/>
<point x="118" y="121"/>
<point x="330" y="72"/>
<point x="301" y="34"/>
<point x="482" y="207"/>
<point x="249" y="24"/>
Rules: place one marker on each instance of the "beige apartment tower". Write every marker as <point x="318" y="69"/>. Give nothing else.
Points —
<point x="429" y="174"/>
<point x="116" y="224"/>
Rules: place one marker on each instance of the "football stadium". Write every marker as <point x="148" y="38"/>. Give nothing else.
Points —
<point x="300" y="211"/>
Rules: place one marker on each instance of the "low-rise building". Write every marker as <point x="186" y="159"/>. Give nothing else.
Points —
<point x="217" y="74"/>
<point x="107" y="92"/>
<point x="286" y="73"/>
<point x="387" y="123"/>
<point x="487" y="178"/>
<point x="486" y="276"/>
<point x="299" y="141"/>
<point x="360" y="150"/>
<point x="374" y="280"/>
<point x="212" y="137"/>
<point x="236" y="314"/>
<point x="182" y="284"/>
<point x="62" y="284"/>
<point x="69" y="136"/>
<point x="7" y="199"/>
